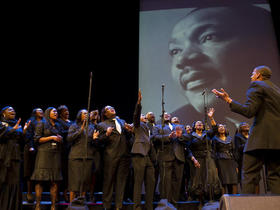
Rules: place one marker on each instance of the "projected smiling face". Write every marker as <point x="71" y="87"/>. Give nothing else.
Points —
<point x="209" y="50"/>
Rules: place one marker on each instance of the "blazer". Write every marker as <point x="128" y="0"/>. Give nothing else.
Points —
<point x="77" y="139"/>
<point x="117" y="144"/>
<point x="263" y="103"/>
<point x="169" y="149"/>
<point x="239" y="141"/>
<point x="142" y="143"/>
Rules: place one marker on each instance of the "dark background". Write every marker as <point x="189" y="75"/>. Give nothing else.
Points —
<point x="48" y="52"/>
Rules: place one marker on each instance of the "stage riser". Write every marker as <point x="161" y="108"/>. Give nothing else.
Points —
<point x="182" y="206"/>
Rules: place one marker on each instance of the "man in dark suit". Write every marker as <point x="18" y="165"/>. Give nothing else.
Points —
<point x="142" y="160"/>
<point x="263" y="145"/>
<point x="116" y="140"/>
<point x="170" y="140"/>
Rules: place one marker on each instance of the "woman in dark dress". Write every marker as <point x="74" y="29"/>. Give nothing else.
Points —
<point x="225" y="159"/>
<point x="204" y="180"/>
<point x="97" y="175"/>
<point x="48" y="136"/>
<point x="11" y="143"/>
<point x="29" y="153"/>
<point x="63" y="119"/>
<point x="81" y="156"/>
<point x="240" y="140"/>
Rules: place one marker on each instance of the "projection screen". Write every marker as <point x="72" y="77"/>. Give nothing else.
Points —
<point x="192" y="47"/>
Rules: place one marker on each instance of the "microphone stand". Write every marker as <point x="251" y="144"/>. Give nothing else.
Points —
<point x="86" y="129"/>
<point x="162" y="145"/>
<point x="164" y="199"/>
<point x="162" y="113"/>
<point x="208" y="155"/>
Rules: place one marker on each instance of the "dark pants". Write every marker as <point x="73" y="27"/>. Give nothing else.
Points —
<point x="143" y="171"/>
<point x="171" y="173"/>
<point x="252" y="165"/>
<point x="115" y="174"/>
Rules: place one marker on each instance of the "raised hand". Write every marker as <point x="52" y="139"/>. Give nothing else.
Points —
<point x="210" y="112"/>
<point x="26" y="125"/>
<point x="222" y="94"/>
<point x="139" y="97"/>
<point x="17" y="125"/>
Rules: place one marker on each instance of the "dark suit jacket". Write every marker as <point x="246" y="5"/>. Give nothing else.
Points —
<point x="77" y="139"/>
<point x="142" y="144"/>
<point x="239" y="141"/>
<point x="172" y="148"/>
<point x="115" y="145"/>
<point x="263" y="103"/>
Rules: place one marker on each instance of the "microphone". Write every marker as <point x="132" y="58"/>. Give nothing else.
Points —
<point x="162" y="85"/>
<point x="203" y="92"/>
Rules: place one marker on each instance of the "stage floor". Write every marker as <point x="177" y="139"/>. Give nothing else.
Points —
<point x="62" y="205"/>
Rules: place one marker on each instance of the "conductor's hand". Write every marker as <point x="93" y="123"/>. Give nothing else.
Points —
<point x="222" y="94"/>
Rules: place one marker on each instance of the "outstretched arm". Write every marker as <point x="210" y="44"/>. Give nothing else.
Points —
<point x="137" y="111"/>
<point x="210" y="114"/>
<point x="222" y="95"/>
<point x="252" y="104"/>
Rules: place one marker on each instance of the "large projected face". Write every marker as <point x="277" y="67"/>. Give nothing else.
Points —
<point x="193" y="50"/>
<point x="209" y="49"/>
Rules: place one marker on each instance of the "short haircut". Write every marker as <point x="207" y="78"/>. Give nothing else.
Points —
<point x="265" y="71"/>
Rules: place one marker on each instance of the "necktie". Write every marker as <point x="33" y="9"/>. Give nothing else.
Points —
<point x="170" y="126"/>
<point x="118" y="126"/>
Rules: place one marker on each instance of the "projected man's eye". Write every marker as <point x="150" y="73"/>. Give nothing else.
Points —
<point x="208" y="37"/>
<point x="174" y="52"/>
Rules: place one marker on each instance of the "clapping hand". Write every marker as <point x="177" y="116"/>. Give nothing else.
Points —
<point x="109" y="131"/>
<point x="26" y="125"/>
<point x="95" y="135"/>
<point x="17" y="125"/>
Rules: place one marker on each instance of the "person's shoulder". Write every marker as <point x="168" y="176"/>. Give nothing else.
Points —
<point x="102" y="123"/>
<point x="121" y="120"/>
<point x="258" y="83"/>
<point x="238" y="135"/>
<point x="73" y="125"/>
<point x="257" y="86"/>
